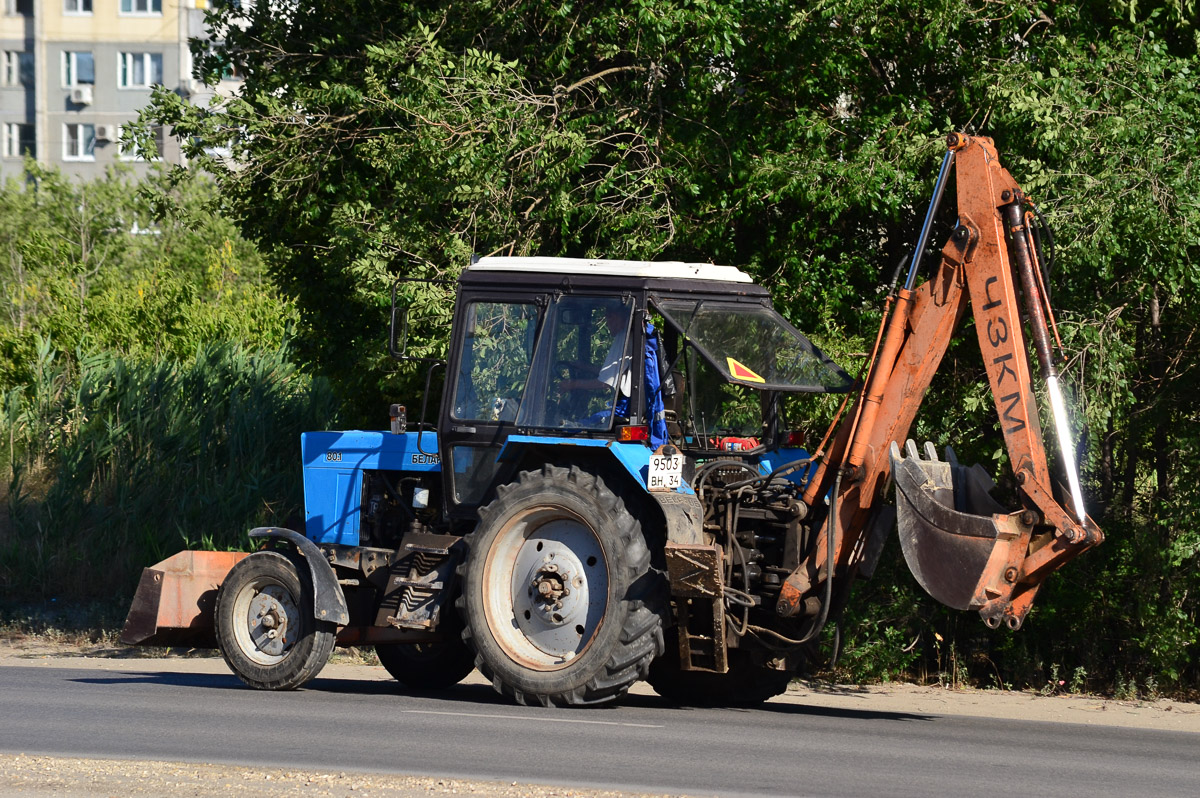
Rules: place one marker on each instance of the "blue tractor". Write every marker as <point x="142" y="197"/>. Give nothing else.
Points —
<point x="616" y="489"/>
<point x="589" y="408"/>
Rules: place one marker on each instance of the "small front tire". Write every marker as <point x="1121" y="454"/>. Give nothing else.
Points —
<point x="265" y="626"/>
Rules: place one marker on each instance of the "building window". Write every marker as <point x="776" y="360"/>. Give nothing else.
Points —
<point x="77" y="6"/>
<point x="141" y="6"/>
<point x="18" y="8"/>
<point x="79" y="142"/>
<point x="16" y="68"/>
<point x="79" y="69"/>
<point x="16" y="140"/>
<point x="230" y="71"/>
<point x="128" y="151"/>
<point x="140" y="70"/>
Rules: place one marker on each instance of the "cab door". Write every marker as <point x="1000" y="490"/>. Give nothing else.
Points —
<point x="491" y="357"/>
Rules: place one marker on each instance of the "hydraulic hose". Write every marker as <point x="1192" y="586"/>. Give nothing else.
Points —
<point x="827" y="601"/>
<point x="830" y="549"/>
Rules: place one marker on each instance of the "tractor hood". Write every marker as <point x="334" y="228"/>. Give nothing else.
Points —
<point x="750" y="344"/>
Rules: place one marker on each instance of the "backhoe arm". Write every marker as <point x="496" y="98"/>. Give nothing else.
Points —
<point x="962" y="546"/>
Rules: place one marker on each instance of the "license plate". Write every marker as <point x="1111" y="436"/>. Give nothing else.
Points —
<point x="666" y="472"/>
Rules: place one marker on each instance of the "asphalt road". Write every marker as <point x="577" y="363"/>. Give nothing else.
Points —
<point x="469" y="732"/>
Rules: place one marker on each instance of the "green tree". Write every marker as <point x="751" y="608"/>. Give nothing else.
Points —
<point x="375" y="139"/>
<point x="95" y="266"/>
<point x="148" y="401"/>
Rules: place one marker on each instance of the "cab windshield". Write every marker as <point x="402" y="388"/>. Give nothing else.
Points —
<point x="752" y="345"/>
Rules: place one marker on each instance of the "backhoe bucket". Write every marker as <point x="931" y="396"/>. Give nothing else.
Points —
<point x="173" y="605"/>
<point x="958" y="541"/>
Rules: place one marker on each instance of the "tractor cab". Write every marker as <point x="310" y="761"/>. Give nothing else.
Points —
<point x="556" y="352"/>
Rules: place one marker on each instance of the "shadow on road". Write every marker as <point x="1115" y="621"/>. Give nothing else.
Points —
<point x="484" y="695"/>
<point x="172" y="679"/>
<point x="791" y="707"/>
<point x="466" y="693"/>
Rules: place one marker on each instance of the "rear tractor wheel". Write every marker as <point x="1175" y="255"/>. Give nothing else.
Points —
<point x="561" y="604"/>
<point x="265" y="625"/>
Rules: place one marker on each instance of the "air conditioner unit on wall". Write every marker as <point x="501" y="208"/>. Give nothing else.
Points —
<point x="81" y="95"/>
<point x="107" y="132"/>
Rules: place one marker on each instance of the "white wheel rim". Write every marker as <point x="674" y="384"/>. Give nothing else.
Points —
<point x="265" y="619"/>
<point x="545" y="588"/>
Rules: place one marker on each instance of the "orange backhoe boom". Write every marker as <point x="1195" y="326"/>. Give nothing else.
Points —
<point x="963" y="548"/>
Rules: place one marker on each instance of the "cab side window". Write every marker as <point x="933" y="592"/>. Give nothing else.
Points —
<point x="584" y="365"/>
<point x="497" y="352"/>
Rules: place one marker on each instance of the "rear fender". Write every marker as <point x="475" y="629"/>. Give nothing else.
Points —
<point x="680" y="511"/>
<point x="633" y="458"/>
<point x="329" y="604"/>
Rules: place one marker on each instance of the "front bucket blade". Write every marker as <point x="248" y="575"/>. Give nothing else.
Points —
<point x="174" y="601"/>
<point x="950" y="528"/>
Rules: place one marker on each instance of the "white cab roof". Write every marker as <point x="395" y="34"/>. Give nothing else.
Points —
<point x="617" y="268"/>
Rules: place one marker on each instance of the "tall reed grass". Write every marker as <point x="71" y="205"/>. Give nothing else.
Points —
<point x="113" y="464"/>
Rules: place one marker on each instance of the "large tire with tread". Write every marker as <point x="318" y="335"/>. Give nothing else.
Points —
<point x="561" y="605"/>
<point x="746" y="683"/>
<point x="265" y="625"/>
<point x="430" y="666"/>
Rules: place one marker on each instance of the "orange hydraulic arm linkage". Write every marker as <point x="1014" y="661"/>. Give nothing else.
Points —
<point x="963" y="547"/>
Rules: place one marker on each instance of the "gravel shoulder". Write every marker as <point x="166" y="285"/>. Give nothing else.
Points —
<point x="34" y="775"/>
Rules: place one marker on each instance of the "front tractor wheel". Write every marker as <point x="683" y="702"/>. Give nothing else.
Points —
<point x="265" y="625"/>
<point x="561" y="603"/>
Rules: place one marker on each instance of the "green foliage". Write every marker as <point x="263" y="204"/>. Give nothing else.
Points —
<point x="878" y="654"/>
<point x="375" y="140"/>
<point x="116" y="463"/>
<point x="147" y="399"/>
<point x="93" y="266"/>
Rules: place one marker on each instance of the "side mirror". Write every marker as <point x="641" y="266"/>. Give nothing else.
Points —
<point x="398" y="325"/>
<point x="398" y="330"/>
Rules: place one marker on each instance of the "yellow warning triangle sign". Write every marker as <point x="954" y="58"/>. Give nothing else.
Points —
<point x="740" y="372"/>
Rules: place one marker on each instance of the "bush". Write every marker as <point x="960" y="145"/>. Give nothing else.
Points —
<point x="117" y="463"/>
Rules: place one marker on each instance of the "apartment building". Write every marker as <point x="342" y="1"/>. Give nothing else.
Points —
<point x="73" y="72"/>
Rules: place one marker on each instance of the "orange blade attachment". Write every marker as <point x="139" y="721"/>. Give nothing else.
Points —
<point x="174" y="601"/>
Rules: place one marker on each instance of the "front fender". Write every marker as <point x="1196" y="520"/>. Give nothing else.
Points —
<point x="329" y="604"/>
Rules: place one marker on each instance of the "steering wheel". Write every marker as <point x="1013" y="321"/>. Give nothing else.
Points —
<point x="573" y="401"/>
<point x="569" y="366"/>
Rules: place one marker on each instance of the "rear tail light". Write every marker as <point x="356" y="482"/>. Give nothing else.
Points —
<point x="734" y="444"/>
<point x="793" y="438"/>
<point x="629" y="434"/>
